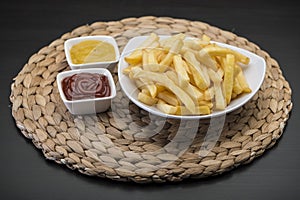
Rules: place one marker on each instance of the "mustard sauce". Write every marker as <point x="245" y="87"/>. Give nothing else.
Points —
<point x="92" y="51"/>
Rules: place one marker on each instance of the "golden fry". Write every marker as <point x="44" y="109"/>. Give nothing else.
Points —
<point x="243" y="83"/>
<point x="206" y="59"/>
<point x="127" y="70"/>
<point x="237" y="89"/>
<point x="190" y="89"/>
<point x="200" y="110"/>
<point x="220" y="101"/>
<point x="205" y="38"/>
<point x="220" y="72"/>
<point x="146" y="99"/>
<point x="209" y="94"/>
<point x="159" y="88"/>
<point x="145" y="59"/>
<point x="183" y="77"/>
<point x="152" y="58"/>
<point x="214" y="76"/>
<point x="196" y="71"/>
<point x="146" y="91"/>
<point x="194" y="44"/>
<point x="228" y="77"/>
<point x="168" y="83"/>
<point x="222" y="51"/>
<point x="175" y="49"/>
<point x="150" y="40"/>
<point x="139" y="84"/>
<point x="168" y="97"/>
<point x="150" y="86"/>
<point x="186" y="77"/>
<point x="166" y="108"/>
<point x="167" y="44"/>
<point x="186" y="67"/>
<point x="205" y="103"/>
<point x="135" y="57"/>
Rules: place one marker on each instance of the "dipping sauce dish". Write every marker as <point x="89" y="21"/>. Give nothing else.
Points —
<point x="86" y="91"/>
<point x="85" y="86"/>
<point x="91" y="52"/>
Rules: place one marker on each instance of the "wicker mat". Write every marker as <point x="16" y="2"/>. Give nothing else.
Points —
<point x="126" y="143"/>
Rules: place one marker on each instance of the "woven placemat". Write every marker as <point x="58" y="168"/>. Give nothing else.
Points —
<point x="126" y="143"/>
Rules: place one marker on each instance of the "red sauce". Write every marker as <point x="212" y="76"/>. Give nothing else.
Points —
<point x="85" y="86"/>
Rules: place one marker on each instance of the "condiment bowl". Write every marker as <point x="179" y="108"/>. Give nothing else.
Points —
<point x="73" y="41"/>
<point x="90" y="105"/>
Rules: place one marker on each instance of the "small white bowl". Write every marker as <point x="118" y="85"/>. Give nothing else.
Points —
<point x="87" y="106"/>
<point x="70" y="42"/>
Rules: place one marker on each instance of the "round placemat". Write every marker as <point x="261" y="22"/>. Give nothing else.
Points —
<point x="127" y="143"/>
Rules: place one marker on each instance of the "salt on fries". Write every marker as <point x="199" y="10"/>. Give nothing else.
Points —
<point x="186" y="76"/>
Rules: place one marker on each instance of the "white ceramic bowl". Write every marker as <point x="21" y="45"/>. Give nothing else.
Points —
<point x="254" y="73"/>
<point x="70" y="42"/>
<point x="87" y="106"/>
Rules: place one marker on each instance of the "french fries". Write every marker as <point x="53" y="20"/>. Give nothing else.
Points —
<point x="164" y="80"/>
<point x="183" y="77"/>
<point x="186" y="77"/>
<point x="228" y="76"/>
<point x="137" y="55"/>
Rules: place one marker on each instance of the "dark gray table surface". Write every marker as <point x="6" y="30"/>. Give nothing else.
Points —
<point x="27" y="26"/>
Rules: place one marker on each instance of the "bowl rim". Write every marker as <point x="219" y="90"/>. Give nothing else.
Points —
<point x="60" y="76"/>
<point x="109" y="39"/>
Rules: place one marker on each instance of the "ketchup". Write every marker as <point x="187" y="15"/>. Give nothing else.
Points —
<point x="85" y="86"/>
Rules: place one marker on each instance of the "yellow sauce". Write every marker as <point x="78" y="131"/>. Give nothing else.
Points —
<point x="92" y="51"/>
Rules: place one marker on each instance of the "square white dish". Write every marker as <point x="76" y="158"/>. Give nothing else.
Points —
<point x="87" y="106"/>
<point x="70" y="42"/>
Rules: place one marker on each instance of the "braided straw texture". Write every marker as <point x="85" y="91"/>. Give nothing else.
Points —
<point x="115" y="144"/>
